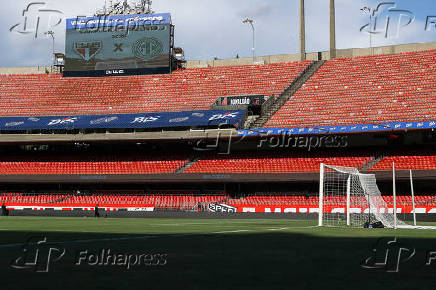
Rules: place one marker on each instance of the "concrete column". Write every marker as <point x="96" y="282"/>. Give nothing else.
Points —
<point x="332" y="29"/>
<point x="302" y="32"/>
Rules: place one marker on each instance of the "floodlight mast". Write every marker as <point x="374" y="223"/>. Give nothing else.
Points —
<point x="251" y="23"/>
<point x="122" y="7"/>
<point x="146" y="6"/>
<point x="51" y="33"/>
<point x="370" y="11"/>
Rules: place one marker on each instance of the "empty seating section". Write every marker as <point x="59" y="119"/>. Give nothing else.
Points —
<point x="175" y="201"/>
<point x="407" y="162"/>
<point x="184" y="200"/>
<point x="312" y="200"/>
<point x="364" y="90"/>
<point x="273" y="162"/>
<point x="260" y="200"/>
<point x="32" y="199"/>
<point x="237" y="162"/>
<point x="90" y="165"/>
<point x="184" y="90"/>
<point x="116" y="167"/>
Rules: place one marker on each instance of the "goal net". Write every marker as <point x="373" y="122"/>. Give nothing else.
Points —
<point x="350" y="198"/>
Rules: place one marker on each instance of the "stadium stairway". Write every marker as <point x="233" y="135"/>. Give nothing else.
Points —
<point x="372" y="163"/>
<point x="188" y="165"/>
<point x="288" y="93"/>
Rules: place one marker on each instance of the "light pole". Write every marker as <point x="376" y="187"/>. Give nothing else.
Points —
<point x="51" y="33"/>
<point x="251" y="22"/>
<point x="369" y="10"/>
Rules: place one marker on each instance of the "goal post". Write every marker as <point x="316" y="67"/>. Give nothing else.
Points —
<point x="321" y="195"/>
<point x="348" y="198"/>
<point x="347" y="210"/>
<point x="394" y="191"/>
<point x="343" y="199"/>
<point x="412" y="190"/>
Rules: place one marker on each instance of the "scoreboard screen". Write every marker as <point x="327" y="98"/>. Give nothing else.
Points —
<point x="118" y="45"/>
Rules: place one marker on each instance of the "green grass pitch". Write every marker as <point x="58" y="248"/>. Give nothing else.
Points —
<point x="210" y="254"/>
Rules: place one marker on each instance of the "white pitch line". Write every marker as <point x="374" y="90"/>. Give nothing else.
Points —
<point x="147" y="236"/>
<point x="230" y="232"/>
<point x="125" y="238"/>
<point x="279" y="229"/>
<point x="97" y="240"/>
<point x="128" y="238"/>
<point x="205" y="224"/>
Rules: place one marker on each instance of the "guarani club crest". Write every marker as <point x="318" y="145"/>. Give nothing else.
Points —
<point x="87" y="50"/>
<point x="147" y="48"/>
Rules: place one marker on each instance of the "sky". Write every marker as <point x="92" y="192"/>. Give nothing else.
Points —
<point x="207" y="29"/>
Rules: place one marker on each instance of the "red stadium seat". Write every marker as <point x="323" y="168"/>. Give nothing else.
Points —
<point x="274" y="162"/>
<point x="184" y="90"/>
<point x="364" y="90"/>
<point x="163" y="200"/>
<point x="418" y="160"/>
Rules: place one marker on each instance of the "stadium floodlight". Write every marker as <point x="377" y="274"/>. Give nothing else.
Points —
<point x="348" y="198"/>
<point x="251" y="23"/>
<point x="51" y="33"/>
<point x="368" y="10"/>
<point x="146" y="6"/>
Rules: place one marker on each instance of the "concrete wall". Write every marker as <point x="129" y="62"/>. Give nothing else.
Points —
<point x="353" y="52"/>
<point x="25" y="70"/>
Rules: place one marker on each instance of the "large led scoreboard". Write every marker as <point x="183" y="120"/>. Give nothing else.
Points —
<point x="118" y="45"/>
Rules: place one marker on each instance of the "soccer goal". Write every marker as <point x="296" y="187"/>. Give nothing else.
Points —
<point x="348" y="198"/>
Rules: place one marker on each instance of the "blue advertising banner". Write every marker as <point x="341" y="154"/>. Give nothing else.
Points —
<point x="130" y="121"/>
<point x="340" y="129"/>
<point x="96" y="22"/>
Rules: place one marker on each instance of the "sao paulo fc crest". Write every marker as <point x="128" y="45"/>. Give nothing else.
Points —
<point x="87" y="50"/>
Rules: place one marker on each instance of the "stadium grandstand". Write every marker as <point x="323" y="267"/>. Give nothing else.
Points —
<point x="389" y="99"/>
<point x="152" y="131"/>
<point x="125" y="164"/>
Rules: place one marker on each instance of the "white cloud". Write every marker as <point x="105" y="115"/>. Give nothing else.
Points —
<point x="207" y="29"/>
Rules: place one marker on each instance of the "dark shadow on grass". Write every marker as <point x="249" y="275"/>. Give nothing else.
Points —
<point x="275" y="260"/>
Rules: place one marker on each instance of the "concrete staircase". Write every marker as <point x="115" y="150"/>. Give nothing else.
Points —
<point x="249" y="121"/>
<point x="288" y="93"/>
<point x="187" y="165"/>
<point x="372" y="163"/>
